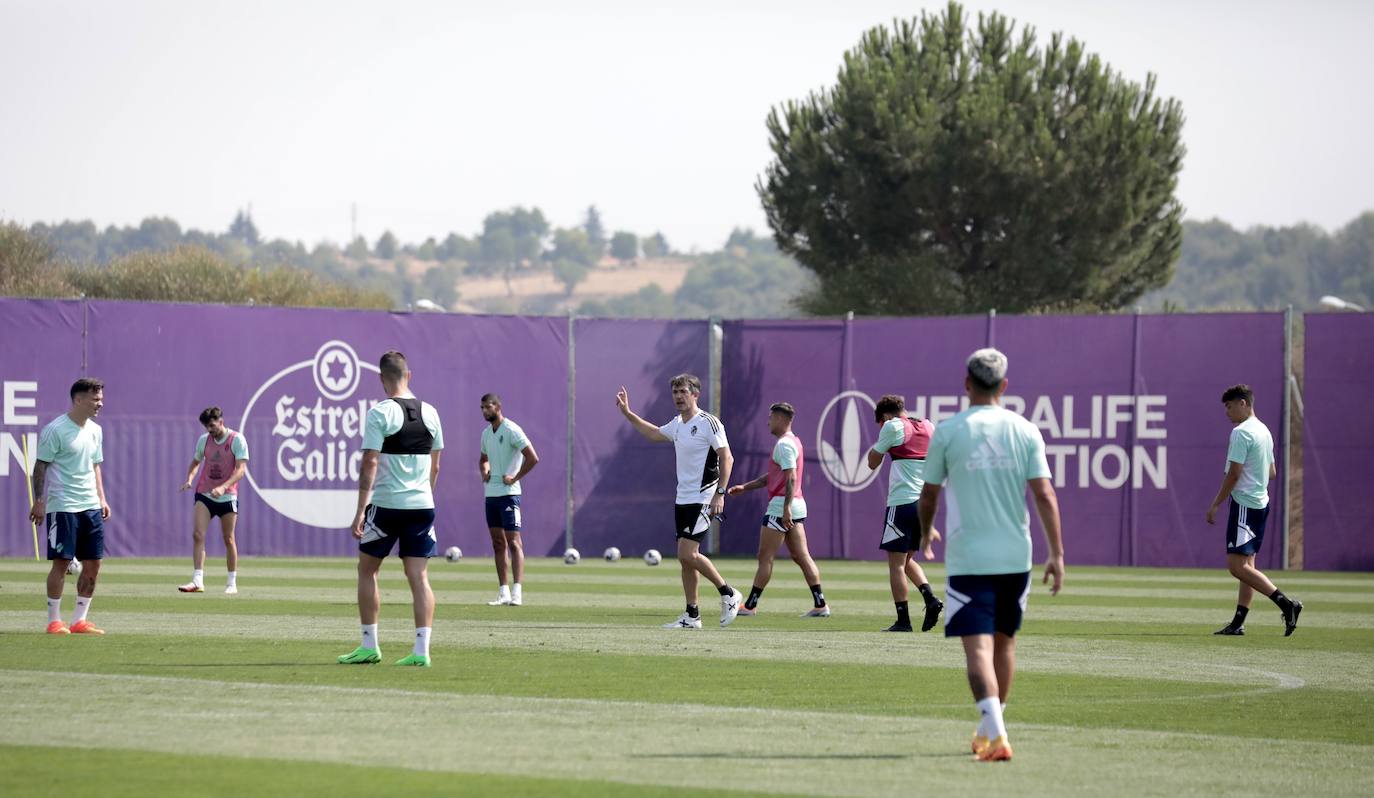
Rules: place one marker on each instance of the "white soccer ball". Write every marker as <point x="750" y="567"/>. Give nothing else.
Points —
<point x="453" y="554"/>
<point x="74" y="567"/>
<point x="571" y="556"/>
<point x="652" y="557"/>
<point x="612" y="554"/>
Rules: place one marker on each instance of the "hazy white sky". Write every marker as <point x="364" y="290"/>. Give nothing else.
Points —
<point x="429" y="115"/>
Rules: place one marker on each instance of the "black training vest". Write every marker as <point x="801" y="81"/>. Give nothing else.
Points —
<point x="413" y="437"/>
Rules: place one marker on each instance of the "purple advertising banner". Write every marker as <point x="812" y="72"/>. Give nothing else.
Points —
<point x="1338" y="442"/>
<point x="623" y="484"/>
<point x="1129" y="407"/>
<point x="40" y="358"/>
<point x="297" y="384"/>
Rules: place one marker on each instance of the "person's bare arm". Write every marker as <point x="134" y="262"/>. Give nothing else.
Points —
<point x="753" y="484"/>
<point x="39" y="483"/>
<point x="367" y="476"/>
<point x="484" y="467"/>
<point x="727" y="462"/>
<point x="190" y="474"/>
<point x="1273" y="471"/>
<point x="240" y="468"/>
<point x="531" y="460"/>
<point x="645" y="428"/>
<point x="925" y="508"/>
<point x="1228" y="484"/>
<point x="875" y="459"/>
<point x="789" y="489"/>
<point x="434" y="468"/>
<point x="100" y="492"/>
<point x="1047" y="506"/>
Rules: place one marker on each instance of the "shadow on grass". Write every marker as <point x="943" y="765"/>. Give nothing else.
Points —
<point x="803" y="757"/>
<point x="1095" y="635"/>
<point x="180" y="665"/>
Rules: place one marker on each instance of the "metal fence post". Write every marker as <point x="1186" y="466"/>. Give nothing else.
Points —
<point x="572" y="423"/>
<point x="1287" y="426"/>
<point x="715" y="341"/>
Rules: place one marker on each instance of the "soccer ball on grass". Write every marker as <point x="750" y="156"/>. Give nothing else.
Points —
<point x="453" y="554"/>
<point x="652" y="557"/>
<point x="74" y="568"/>
<point x="571" y="556"/>
<point x="612" y="554"/>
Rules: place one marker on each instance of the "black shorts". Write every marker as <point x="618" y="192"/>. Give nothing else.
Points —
<point x="218" y="508"/>
<point x="76" y="536"/>
<point x="385" y="525"/>
<point x="901" y="529"/>
<point x="503" y="512"/>
<point x="774" y="522"/>
<point x="692" y="520"/>
<point x="1245" y="529"/>
<point x="985" y="603"/>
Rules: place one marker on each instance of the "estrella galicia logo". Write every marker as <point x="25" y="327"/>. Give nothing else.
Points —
<point x="315" y="429"/>
<point x="844" y="440"/>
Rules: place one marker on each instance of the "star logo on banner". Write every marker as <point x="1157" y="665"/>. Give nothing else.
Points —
<point x="337" y="371"/>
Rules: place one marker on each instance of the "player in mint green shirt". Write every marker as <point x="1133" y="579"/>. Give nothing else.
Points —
<point x="71" y="506"/>
<point x="402" y="441"/>
<point x="507" y="456"/>
<point x="1249" y="467"/>
<point x="988" y="455"/>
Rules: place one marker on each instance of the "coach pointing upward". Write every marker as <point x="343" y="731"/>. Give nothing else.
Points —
<point x="703" y="471"/>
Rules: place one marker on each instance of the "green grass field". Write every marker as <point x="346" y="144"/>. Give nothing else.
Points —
<point x="1121" y="688"/>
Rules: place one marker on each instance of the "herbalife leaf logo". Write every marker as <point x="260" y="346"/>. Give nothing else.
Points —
<point x="844" y="444"/>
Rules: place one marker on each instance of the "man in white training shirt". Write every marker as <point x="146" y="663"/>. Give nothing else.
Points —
<point x="703" y="471"/>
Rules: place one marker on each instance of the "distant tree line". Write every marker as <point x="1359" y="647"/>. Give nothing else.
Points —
<point x="29" y="267"/>
<point x="1269" y="268"/>
<point x="1220" y="267"/>
<point x="159" y="260"/>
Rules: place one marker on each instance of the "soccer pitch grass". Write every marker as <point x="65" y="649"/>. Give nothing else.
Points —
<point x="1122" y="688"/>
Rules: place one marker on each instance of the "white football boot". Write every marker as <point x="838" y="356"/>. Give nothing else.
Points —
<point x="684" y="622"/>
<point x="729" y="607"/>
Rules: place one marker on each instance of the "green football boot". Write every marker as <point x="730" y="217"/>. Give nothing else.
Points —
<point x="361" y="656"/>
<point x="418" y="660"/>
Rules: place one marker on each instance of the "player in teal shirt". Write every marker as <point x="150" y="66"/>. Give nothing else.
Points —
<point x="402" y="441"/>
<point x="1249" y="467"/>
<point x="72" y="508"/>
<point x="507" y="456"/>
<point x="989" y="455"/>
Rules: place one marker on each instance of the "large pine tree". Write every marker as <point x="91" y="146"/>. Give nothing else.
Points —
<point x="955" y="168"/>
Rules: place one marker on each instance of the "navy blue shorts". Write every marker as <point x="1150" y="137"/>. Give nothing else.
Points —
<point x="1245" y="529"/>
<point x="503" y="512"/>
<point x="985" y="603"/>
<point x="76" y="536"/>
<point x="901" y="529"/>
<point x="774" y="522"/>
<point x="691" y="521"/>
<point x="385" y="525"/>
<point x="218" y="508"/>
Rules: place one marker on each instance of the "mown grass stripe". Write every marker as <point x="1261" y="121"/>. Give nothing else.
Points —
<point x="819" y="753"/>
